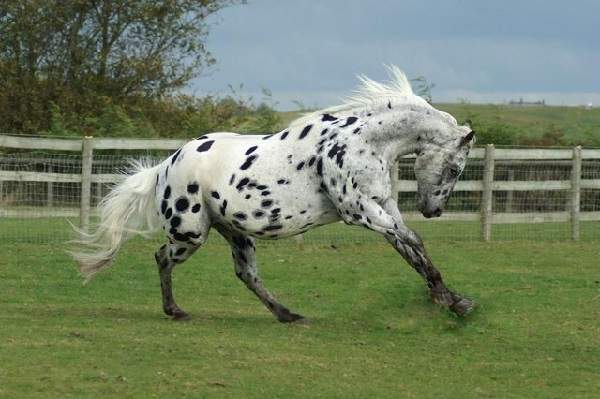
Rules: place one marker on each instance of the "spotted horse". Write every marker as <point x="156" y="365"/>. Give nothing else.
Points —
<point x="330" y="165"/>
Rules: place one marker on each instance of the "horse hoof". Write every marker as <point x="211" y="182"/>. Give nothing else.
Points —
<point x="180" y="315"/>
<point x="289" y="317"/>
<point x="462" y="307"/>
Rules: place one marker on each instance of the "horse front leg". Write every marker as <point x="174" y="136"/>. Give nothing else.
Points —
<point x="386" y="219"/>
<point x="410" y="246"/>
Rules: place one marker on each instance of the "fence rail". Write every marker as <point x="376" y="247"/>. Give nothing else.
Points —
<point x="87" y="175"/>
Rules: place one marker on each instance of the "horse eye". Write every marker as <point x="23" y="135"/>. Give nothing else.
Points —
<point x="454" y="172"/>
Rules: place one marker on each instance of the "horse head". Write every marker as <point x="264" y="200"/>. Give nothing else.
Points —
<point x="441" y="157"/>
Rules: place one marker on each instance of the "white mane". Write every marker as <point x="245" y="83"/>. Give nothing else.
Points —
<point x="371" y="94"/>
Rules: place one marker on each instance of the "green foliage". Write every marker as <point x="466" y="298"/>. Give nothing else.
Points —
<point x="95" y="61"/>
<point x="491" y="131"/>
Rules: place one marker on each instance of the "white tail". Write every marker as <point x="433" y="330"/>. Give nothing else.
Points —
<point x="127" y="209"/>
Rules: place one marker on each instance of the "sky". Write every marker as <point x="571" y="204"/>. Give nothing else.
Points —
<point x="309" y="52"/>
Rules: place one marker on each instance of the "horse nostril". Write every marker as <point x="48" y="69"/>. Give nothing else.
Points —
<point x="437" y="212"/>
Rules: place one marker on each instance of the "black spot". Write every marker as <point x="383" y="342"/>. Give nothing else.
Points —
<point x="215" y="195"/>
<point x="284" y="135"/>
<point x="175" y="156"/>
<point x="273" y="227"/>
<point x="248" y="196"/>
<point x="196" y="208"/>
<point x="324" y="131"/>
<point x="180" y="237"/>
<point x="169" y="213"/>
<point x="344" y="189"/>
<point x="265" y="193"/>
<point x="232" y="179"/>
<point x="300" y="166"/>
<point x="180" y="251"/>
<point x="305" y="131"/>
<point x="223" y="207"/>
<point x="356" y="130"/>
<point x="182" y="204"/>
<point x="261" y="187"/>
<point x="356" y="216"/>
<point x="327" y="117"/>
<point x="251" y="150"/>
<point x="167" y="193"/>
<point x="192" y="188"/>
<point x="258" y="214"/>
<point x="288" y="217"/>
<point x="320" y="167"/>
<point x="437" y="192"/>
<point x="324" y="188"/>
<point x="242" y="183"/>
<point x="303" y="212"/>
<point x="389" y="104"/>
<point x="205" y="146"/>
<point x="251" y="185"/>
<point x="163" y="207"/>
<point x="191" y="234"/>
<point x="267" y="137"/>
<point x="266" y="203"/>
<point x="312" y="160"/>
<point x="350" y="121"/>
<point x="281" y="181"/>
<point x="240" y="215"/>
<point x="248" y="162"/>
<point x="175" y="222"/>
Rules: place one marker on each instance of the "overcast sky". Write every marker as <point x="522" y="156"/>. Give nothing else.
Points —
<point x="483" y="51"/>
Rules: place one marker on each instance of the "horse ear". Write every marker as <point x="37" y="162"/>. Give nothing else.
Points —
<point x="467" y="139"/>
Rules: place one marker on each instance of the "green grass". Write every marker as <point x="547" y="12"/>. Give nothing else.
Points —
<point x="372" y="332"/>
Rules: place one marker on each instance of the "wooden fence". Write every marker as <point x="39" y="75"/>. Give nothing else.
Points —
<point x="487" y="217"/>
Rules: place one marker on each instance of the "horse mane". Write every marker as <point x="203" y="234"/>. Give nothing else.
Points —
<point x="371" y="94"/>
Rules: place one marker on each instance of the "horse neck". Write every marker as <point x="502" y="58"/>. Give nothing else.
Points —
<point x="397" y="135"/>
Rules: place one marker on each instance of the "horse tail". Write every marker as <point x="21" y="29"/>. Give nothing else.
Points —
<point x="128" y="209"/>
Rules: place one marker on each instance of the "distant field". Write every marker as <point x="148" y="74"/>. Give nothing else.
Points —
<point x="528" y="124"/>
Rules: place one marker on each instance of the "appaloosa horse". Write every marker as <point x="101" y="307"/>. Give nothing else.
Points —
<point x="331" y="165"/>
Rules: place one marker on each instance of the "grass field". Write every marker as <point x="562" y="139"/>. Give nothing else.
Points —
<point x="576" y="125"/>
<point x="371" y="333"/>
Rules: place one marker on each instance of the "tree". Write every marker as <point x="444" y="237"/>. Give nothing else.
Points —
<point x="76" y="53"/>
<point x="423" y="87"/>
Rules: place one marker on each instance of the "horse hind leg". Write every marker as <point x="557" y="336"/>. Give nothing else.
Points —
<point x="167" y="257"/>
<point x="244" y="258"/>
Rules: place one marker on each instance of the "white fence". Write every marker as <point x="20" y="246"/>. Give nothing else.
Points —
<point x="499" y="187"/>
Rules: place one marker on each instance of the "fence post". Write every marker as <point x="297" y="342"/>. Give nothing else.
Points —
<point x="575" y="192"/>
<point x="487" y="194"/>
<point x="87" y="158"/>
